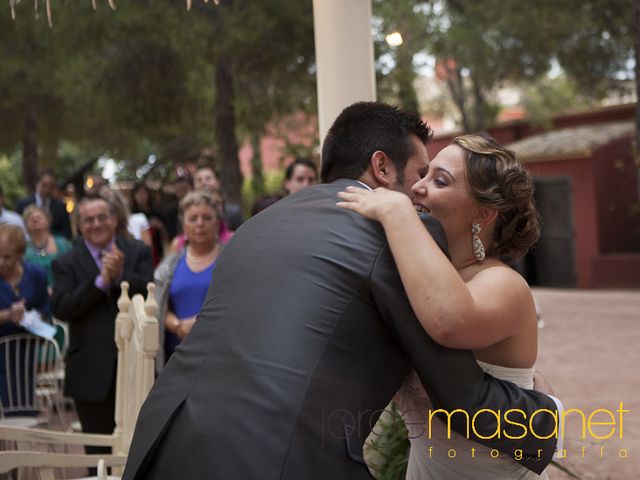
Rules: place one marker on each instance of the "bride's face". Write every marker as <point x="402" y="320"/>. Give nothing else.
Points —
<point x="445" y="193"/>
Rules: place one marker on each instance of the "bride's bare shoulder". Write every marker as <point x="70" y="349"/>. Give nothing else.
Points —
<point x="492" y="269"/>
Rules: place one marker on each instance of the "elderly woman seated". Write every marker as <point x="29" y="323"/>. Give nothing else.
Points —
<point x="23" y="287"/>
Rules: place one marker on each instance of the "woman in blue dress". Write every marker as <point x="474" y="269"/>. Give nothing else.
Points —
<point x="183" y="278"/>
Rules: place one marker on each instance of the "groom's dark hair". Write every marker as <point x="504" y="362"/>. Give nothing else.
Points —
<point x="363" y="128"/>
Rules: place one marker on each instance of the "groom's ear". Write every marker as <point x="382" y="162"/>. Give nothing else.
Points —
<point x="382" y="168"/>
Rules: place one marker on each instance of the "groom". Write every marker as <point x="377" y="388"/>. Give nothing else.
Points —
<point x="306" y="334"/>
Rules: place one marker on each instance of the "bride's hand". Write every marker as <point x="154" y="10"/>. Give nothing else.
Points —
<point x="376" y="205"/>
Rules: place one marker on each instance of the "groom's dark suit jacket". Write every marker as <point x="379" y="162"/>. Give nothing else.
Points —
<point x="305" y="335"/>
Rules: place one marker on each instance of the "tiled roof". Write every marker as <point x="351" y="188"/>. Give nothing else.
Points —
<point x="569" y="142"/>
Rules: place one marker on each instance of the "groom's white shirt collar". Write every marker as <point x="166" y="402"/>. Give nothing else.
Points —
<point x="364" y="185"/>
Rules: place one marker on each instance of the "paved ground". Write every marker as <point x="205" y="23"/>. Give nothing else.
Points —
<point x="590" y="352"/>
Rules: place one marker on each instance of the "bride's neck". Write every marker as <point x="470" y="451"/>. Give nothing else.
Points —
<point x="461" y="253"/>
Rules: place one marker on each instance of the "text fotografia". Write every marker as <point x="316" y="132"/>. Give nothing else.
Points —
<point x="599" y="424"/>
<point x="518" y="454"/>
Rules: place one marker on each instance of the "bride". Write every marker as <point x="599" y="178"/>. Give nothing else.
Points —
<point x="484" y="199"/>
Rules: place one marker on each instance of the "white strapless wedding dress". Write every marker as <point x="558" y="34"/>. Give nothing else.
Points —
<point x="430" y="458"/>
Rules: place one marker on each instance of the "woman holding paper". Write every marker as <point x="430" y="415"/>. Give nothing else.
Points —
<point x="23" y="293"/>
<point x="23" y="287"/>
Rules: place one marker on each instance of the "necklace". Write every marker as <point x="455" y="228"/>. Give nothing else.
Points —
<point x="200" y="259"/>
<point x="42" y="249"/>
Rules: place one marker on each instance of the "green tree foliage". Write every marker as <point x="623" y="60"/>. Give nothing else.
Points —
<point x="144" y="78"/>
<point x="32" y="103"/>
<point x="12" y="187"/>
<point x="480" y="46"/>
<point x="263" y="63"/>
<point x="548" y="96"/>
<point x="106" y="81"/>
<point x="395" y="69"/>
<point x="152" y="77"/>
<point x="595" y="42"/>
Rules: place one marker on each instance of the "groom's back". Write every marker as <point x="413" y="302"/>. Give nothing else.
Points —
<point x="288" y="358"/>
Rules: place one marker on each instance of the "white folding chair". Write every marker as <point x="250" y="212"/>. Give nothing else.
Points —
<point x="62" y="336"/>
<point x="45" y="464"/>
<point x="50" y="385"/>
<point x="137" y="338"/>
<point x="25" y="360"/>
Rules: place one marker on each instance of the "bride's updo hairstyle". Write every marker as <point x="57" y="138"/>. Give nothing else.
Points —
<point x="498" y="180"/>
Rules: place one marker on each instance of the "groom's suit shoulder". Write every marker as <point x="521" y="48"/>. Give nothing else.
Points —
<point x="324" y="196"/>
<point x="437" y="232"/>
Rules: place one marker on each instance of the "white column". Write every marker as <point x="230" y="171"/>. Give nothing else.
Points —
<point x="344" y="57"/>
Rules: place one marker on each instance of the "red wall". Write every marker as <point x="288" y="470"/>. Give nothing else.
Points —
<point x="617" y="271"/>
<point x="617" y="193"/>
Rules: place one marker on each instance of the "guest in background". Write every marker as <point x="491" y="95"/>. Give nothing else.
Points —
<point x="128" y="225"/>
<point x="70" y="200"/>
<point x="120" y="210"/>
<point x="44" y="198"/>
<point x="181" y="186"/>
<point x="206" y="178"/>
<point x="264" y="202"/>
<point x="85" y="293"/>
<point x="94" y="183"/>
<point x="183" y="278"/>
<point x="302" y="173"/>
<point x="9" y="217"/>
<point x="43" y="246"/>
<point x="224" y="233"/>
<point x="142" y="202"/>
<point x="23" y="287"/>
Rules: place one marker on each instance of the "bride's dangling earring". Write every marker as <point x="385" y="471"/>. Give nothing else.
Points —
<point x="478" y="247"/>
